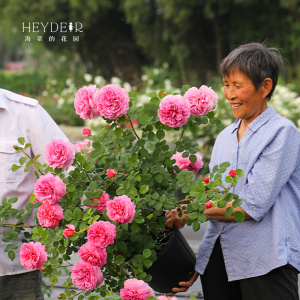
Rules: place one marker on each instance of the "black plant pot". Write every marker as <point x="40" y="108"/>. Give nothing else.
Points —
<point x="175" y="263"/>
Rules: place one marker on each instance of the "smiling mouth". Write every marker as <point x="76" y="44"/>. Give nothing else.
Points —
<point x="235" y="105"/>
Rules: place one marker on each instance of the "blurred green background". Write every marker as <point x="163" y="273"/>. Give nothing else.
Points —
<point x="143" y="45"/>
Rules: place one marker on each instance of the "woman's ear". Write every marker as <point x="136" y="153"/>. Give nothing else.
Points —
<point x="267" y="86"/>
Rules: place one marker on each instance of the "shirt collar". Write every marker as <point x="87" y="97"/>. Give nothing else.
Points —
<point x="3" y="103"/>
<point x="258" y="121"/>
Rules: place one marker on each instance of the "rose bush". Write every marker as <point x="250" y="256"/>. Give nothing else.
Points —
<point x="109" y="207"/>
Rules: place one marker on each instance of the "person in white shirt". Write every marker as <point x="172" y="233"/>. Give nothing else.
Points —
<point x="21" y="117"/>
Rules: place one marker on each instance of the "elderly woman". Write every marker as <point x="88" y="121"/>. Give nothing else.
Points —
<point x="260" y="257"/>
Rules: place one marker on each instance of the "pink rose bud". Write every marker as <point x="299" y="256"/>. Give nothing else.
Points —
<point x="208" y="204"/>
<point x="206" y="179"/>
<point x="68" y="232"/>
<point x="43" y="269"/>
<point x="232" y="173"/>
<point x="86" y="131"/>
<point x="111" y="173"/>
<point x="163" y="94"/>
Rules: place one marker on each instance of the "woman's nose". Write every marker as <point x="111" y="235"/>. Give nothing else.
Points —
<point x="229" y="93"/>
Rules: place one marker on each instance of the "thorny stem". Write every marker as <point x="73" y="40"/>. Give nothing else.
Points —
<point x="132" y="127"/>
<point x="17" y="226"/>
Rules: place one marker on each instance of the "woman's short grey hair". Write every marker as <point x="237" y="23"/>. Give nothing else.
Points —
<point x="256" y="61"/>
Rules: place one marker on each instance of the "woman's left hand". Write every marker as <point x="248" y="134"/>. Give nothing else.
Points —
<point x="185" y="285"/>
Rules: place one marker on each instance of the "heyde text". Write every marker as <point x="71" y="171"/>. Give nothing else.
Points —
<point x="52" y="27"/>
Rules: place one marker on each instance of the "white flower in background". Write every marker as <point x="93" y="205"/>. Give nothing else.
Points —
<point x="150" y="81"/>
<point x="45" y="93"/>
<point x="69" y="81"/>
<point x="87" y="77"/>
<point x="142" y="99"/>
<point x="168" y="84"/>
<point x="144" y="77"/>
<point x="53" y="82"/>
<point x="99" y="80"/>
<point x="60" y="103"/>
<point x="63" y="58"/>
<point x="115" y="80"/>
<point x="156" y="71"/>
<point x="287" y="103"/>
<point x="127" y="86"/>
<point x="95" y="123"/>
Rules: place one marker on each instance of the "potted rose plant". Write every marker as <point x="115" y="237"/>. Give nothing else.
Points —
<point x="105" y="198"/>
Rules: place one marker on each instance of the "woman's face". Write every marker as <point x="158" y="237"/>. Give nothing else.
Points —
<point x="246" y="102"/>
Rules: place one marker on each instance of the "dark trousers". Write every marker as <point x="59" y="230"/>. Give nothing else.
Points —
<point x="25" y="286"/>
<point x="279" y="284"/>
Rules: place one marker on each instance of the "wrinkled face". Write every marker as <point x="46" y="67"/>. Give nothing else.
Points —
<point x="246" y="102"/>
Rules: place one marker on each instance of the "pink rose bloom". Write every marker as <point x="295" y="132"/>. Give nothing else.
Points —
<point x="202" y="101"/>
<point x="185" y="163"/>
<point x="49" y="189"/>
<point x="59" y="153"/>
<point x="79" y="146"/>
<point x="111" y="173"/>
<point x="174" y="111"/>
<point x="121" y="209"/>
<point x="33" y="255"/>
<point x="93" y="255"/>
<point x="69" y="231"/>
<point x="84" y="103"/>
<point x="102" y="201"/>
<point x="165" y="298"/>
<point x="101" y="233"/>
<point x="85" y="276"/>
<point x="112" y="101"/>
<point x="135" y="289"/>
<point x="50" y="215"/>
<point x="86" y="131"/>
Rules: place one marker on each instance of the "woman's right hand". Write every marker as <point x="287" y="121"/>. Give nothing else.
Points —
<point x="173" y="220"/>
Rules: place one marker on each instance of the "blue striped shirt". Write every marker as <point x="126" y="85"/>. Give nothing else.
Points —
<point x="269" y="154"/>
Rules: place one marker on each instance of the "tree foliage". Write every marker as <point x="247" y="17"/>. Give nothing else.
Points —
<point x="192" y="36"/>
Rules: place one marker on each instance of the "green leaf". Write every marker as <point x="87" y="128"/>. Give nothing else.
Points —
<point x="134" y="228"/>
<point x="193" y="216"/>
<point x="11" y="255"/>
<point x="144" y="152"/>
<point x="14" y="167"/>
<point x="237" y="202"/>
<point x="22" y="160"/>
<point x="12" y="200"/>
<point x="160" y="134"/>
<point x="71" y="188"/>
<point x="144" y="189"/>
<point x="202" y="218"/>
<point x="239" y="172"/>
<point x="77" y="214"/>
<point x="68" y="215"/>
<point x="119" y="259"/>
<point x="185" y="88"/>
<point x="225" y="164"/>
<point x="132" y="94"/>
<point x="93" y="186"/>
<point x="239" y="216"/>
<point x="228" y="212"/>
<point x="119" y="132"/>
<point x="147" y="253"/>
<point x="21" y="140"/>
<point x="196" y="225"/>
<point x="144" y="119"/>
<point x="159" y="178"/>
